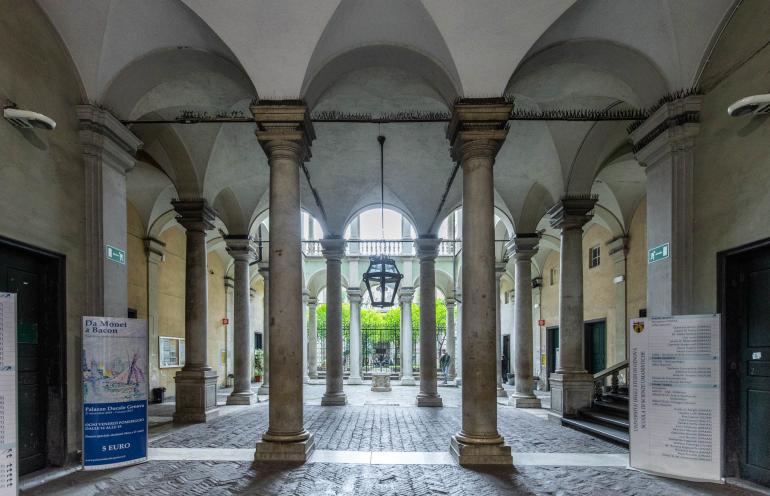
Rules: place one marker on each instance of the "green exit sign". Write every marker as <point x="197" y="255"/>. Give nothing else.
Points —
<point x="116" y="255"/>
<point x="660" y="252"/>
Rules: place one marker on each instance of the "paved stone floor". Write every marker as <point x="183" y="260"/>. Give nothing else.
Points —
<point x="380" y="444"/>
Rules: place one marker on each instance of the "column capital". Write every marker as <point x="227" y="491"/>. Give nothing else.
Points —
<point x="406" y="294"/>
<point x="354" y="295"/>
<point x="670" y="128"/>
<point x="450" y="302"/>
<point x="500" y="268"/>
<point x="312" y="301"/>
<point x="333" y="248"/>
<point x="572" y="212"/>
<point x="155" y="250"/>
<point x="252" y="293"/>
<point x="229" y="283"/>
<point x="478" y="127"/>
<point x="104" y="137"/>
<point x="264" y="270"/>
<point x="618" y="248"/>
<point x="305" y="296"/>
<point x="427" y="247"/>
<point x="241" y="247"/>
<point x="284" y="129"/>
<point x="194" y="214"/>
<point x="523" y="246"/>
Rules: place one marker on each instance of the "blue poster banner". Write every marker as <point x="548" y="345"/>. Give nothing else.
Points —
<point x="115" y="361"/>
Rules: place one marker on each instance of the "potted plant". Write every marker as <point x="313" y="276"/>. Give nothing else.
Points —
<point x="259" y="363"/>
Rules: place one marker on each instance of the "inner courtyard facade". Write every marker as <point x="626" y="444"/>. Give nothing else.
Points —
<point x="540" y="174"/>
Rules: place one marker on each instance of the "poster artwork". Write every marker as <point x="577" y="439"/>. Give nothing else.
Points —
<point x="115" y="362"/>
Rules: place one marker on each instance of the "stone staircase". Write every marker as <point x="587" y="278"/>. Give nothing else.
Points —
<point x="607" y="418"/>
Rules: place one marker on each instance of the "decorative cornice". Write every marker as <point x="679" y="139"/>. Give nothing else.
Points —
<point x="523" y="246"/>
<point x="241" y="247"/>
<point x="478" y="127"/>
<point x="572" y="212"/>
<point x="674" y="121"/>
<point x="280" y="122"/>
<point x="618" y="248"/>
<point x="155" y="250"/>
<point x="427" y="247"/>
<point x="333" y="248"/>
<point x="104" y="137"/>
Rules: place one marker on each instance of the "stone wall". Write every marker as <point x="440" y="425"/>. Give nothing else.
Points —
<point x="137" y="264"/>
<point x="41" y="172"/>
<point x="636" y="262"/>
<point x="171" y="280"/>
<point x="217" y="331"/>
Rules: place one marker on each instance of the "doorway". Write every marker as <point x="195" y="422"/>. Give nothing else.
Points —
<point x="596" y="345"/>
<point x="507" y="355"/>
<point x="36" y="277"/>
<point x="744" y="293"/>
<point x="552" y="352"/>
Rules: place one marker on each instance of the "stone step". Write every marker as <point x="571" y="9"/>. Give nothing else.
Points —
<point x="599" y="430"/>
<point x="616" y="407"/>
<point x="603" y="417"/>
<point x="620" y="397"/>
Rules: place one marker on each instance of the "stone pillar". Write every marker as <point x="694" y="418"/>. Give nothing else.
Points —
<point x="664" y="144"/>
<point x="229" y="284"/>
<point x="155" y="250"/>
<point x="450" y="337"/>
<point x="476" y="131"/>
<point x="406" y="295"/>
<point x="522" y="248"/>
<point x="242" y="250"/>
<point x="264" y="271"/>
<point x="458" y="361"/>
<point x="333" y="251"/>
<point x="354" y="297"/>
<point x="285" y="133"/>
<point x="108" y="152"/>
<point x="618" y="248"/>
<point x="427" y="250"/>
<point x="571" y="385"/>
<point x="512" y="353"/>
<point x="312" y="338"/>
<point x="355" y="234"/>
<point x="196" y="383"/>
<point x="305" y="340"/>
<point x="499" y="271"/>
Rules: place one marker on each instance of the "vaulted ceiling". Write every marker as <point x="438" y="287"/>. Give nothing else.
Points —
<point x="153" y="58"/>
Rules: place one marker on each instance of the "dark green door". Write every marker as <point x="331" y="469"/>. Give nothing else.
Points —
<point x="22" y="273"/>
<point x="596" y="346"/>
<point x="755" y="369"/>
<point x="552" y="343"/>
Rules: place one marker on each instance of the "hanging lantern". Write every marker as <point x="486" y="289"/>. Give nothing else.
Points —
<point x="382" y="279"/>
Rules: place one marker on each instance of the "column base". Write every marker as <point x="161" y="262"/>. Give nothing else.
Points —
<point x="313" y="376"/>
<point x="355" y="381"/>
<point x="480" y="454"/>
<point x="501" y="392"/>
<point x="306" y="379"/>
<point x="408" y="381"/>
<point x="196" y="396"/>
<point x="336" y="399"/>
<point x="264" y="389"/>
<point x="242" y="398"/>
<point x="524" y="401"/>
<point x="429" y="400"/>
<point x="277" y="451"/>
<point x="571" y="391"/>
<point x="511" y="380"/>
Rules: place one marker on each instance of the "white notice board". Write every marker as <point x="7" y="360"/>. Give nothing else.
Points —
<point x="676" y="415"/>
<point x="9" y="453"/>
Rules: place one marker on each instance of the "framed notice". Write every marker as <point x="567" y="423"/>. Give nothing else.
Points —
<point x="171" y="352"/>
<point x="9" y="454"/>
<point x="675" y="408"/>
<point x="115" y="362"/>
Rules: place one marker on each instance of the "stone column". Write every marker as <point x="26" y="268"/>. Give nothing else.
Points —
<point x="242" y="250"/>
<point x="196" y="383"/>
<point x="476" y="131"/>
<point x="333" y="251"/>
<point x="264" y="271"/>
<point x="354" y="297"/>
<point x="406" y="295"/>
<point x="285" y="133"/>
<point x="305" y="340"/>
<point x="355" y="234"/>
<point x="571" y="385"/>
<point x="108" y="152"/>
<point x="664" y="144"/>
<point x="499" y="271"/>
<point x="458" y="361"/>
<point x="312" y="338"/>
<point x="155" y="250"/>
<point x="522" y="248"/>
<point x="229" y="284"/>
<point x="618" y="248"/>
<point x="427" y="250"/>
<point x="450" y="337"/>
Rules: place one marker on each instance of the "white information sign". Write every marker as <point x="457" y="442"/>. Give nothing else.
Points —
<point x="9" y="454"/>
<point x="676" y="424"/>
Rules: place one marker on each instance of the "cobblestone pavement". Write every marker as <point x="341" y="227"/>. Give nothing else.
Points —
<point x="317" y="479"/>
<point x="386" y="428"/>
